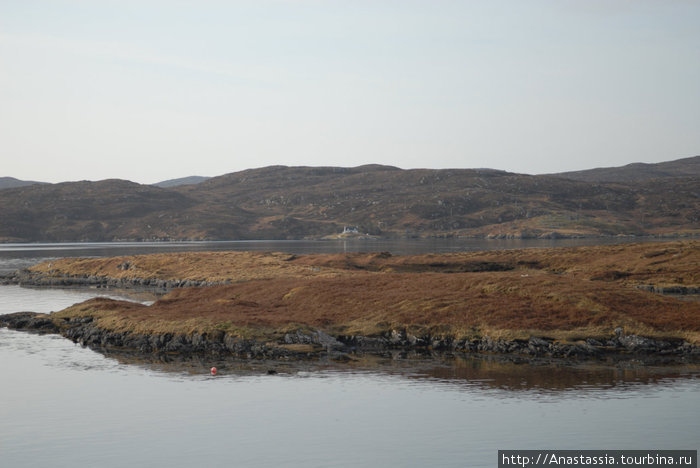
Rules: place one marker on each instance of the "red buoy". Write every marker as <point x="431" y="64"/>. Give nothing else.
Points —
<point x="213" y="371"/>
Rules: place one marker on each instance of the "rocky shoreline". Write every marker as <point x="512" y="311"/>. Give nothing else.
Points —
<point x="155" y="285"/>
<point x="314" y="344"/>
<point x="162" y="286"/>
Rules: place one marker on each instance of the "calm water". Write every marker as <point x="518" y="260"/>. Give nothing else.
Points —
<point x="64" y="405"/>
<point x="15" y="256"/>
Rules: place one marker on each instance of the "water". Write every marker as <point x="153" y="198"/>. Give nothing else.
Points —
<point x="44" y="300"/>
<point x="64" y="405"/>
<point x="16" y="256"/>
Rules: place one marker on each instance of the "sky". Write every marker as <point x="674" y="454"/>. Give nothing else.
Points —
<point x="149" y="90"/>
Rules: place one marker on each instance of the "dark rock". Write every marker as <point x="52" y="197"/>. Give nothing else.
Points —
<point x="29" y="321"/>
<point x="326" y="340"/>
<point x="29" y="278"/>
<point x="637" y="343"/>
<point x="217" y="343"/>
<point x="397" y="337"/>
<point x="413" y="340"/>
<point x="593" y="342"/>
<point x="298" y="337"/>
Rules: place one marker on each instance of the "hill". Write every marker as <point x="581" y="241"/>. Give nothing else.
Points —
<point x="637" y="172"/>
<point x="85" y="211"/>
<point x="281" y="202"/>
<point x="181" y="181"/>
<point x="11" y="182"/>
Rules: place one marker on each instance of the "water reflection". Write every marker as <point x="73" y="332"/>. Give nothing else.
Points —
<point x="553" y="376"/>
<point x="465" y="372"/>
<point x="70" y="406"/>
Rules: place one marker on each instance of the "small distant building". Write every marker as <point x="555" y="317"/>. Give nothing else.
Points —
<point x="350" y="230"/>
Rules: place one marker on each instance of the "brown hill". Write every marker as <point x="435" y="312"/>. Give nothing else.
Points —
<point x="86" y="211"/>
<point x="637" y="172"/>
<point x="299" y="202"/>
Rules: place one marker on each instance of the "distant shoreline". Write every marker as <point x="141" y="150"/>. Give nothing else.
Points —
<point x="371" y="237"/>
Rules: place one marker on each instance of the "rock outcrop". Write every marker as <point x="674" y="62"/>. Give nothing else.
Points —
<point x="156" y="285"/>
<point x="305" y="344"/>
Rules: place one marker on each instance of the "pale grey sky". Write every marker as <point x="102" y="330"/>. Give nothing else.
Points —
<point x="148" y="90"/>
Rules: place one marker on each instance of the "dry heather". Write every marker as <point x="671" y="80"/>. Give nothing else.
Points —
<point x="195" y="266"/>
<point x="566" y="294"/>
<point x="660" y="264"/>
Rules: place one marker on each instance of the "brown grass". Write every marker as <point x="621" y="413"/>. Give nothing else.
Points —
<point x="563" y="293"/>
<point x="462" y="304"/>
<point x="196" y="266"/>
<point x="667" y="263"/>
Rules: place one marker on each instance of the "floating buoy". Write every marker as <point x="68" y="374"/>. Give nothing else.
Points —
<point x="213" y="371"/>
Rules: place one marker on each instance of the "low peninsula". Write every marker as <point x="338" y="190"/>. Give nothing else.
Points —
<point x="600" y="302"/>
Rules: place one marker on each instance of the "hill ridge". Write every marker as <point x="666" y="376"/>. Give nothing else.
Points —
<point x="638" y="171"/>
<point x="280" y="202"/>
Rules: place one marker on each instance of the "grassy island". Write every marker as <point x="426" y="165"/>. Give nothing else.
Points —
<point x="585" y="296"/>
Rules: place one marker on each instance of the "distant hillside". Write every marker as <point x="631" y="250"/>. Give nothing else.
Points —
<point x="11" y="182"/>
<point x="310" y="202"/>
<point x="687" y="167"/>
<point x="85" y="211"/>
<point x="191" y="180"/>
